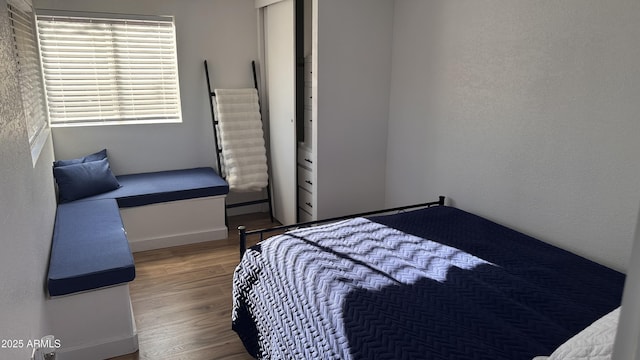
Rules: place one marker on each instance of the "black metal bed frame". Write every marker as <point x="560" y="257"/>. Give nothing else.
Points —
<point x="219" y="148"/>
<point x="242" y="230"/>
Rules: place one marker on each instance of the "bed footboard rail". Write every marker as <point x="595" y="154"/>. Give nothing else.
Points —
<point x="243" y="233"/>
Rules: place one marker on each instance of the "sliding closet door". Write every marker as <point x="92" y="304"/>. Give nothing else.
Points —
<point x="279" y="34"/>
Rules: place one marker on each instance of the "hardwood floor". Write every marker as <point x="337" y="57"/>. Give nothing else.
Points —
<point x="181" y="299"/>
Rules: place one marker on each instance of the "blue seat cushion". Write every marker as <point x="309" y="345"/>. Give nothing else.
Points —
<point x="163" y="186"/>
<point x="89" y="249"/>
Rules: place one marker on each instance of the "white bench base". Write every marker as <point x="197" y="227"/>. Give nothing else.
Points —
<point x="96" y="324"/>
<point x="175" y="223"/>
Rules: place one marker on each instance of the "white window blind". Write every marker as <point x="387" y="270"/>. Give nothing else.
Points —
<point x="23" y="32"/>
<point x="105" y="69"/>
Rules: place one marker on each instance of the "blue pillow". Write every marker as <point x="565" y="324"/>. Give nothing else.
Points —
<point x="102" y="154"/>
<point x="84" y="179"/>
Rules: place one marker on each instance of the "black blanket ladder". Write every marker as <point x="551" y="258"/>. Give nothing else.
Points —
<point x="218" y="146"/>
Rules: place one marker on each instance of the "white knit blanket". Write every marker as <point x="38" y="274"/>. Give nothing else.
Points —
<point x="244" y="159"/>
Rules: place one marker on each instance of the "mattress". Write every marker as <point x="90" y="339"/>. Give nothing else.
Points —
<point x="436" y="283"/>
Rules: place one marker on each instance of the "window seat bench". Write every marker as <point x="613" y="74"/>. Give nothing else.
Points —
<point x="91" y="259"/>
<point x="170" y="208"/>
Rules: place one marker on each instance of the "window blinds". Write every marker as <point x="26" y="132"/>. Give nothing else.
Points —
<point x="101" y="69"/>
<point x="29" y="73"/>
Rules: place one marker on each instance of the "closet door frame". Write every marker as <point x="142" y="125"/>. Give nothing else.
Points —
<point x="279" y="113"/>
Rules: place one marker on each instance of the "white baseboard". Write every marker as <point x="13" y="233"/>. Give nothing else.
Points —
<point x="104" y="350"/>
<point x="138" y="245"/>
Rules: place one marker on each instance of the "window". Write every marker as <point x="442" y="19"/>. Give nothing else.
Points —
<point x="25" y="44"/>
<point x="102" y="69"/>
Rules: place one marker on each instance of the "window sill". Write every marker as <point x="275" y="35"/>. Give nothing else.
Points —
<point x="38" y="144"/>
<point x="110" y="123"/>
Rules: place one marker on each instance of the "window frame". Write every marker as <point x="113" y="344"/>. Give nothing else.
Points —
<point x="24" y="38"/>
<point x="122" y="103"/>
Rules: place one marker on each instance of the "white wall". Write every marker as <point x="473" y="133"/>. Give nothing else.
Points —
<point x="27" y="211"/>
<point x="522" y="111"/>
<point x="223" y="32"/>
<point x="353" y="59"/>
<point x="628" y="331"/>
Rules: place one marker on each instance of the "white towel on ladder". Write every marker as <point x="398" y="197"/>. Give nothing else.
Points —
<point x="244" y="156"/>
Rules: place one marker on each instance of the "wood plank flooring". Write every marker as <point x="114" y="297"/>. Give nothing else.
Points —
<point x="182" y="299"/>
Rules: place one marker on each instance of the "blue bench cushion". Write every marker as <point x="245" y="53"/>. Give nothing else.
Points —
<point x="157" y="187"/>
<point x="89" y="248"/>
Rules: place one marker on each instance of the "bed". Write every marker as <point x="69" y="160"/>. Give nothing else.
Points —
<point x="432" y="283"/>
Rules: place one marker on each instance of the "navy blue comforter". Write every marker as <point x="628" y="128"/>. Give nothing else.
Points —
<point x="437" y="283"/>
